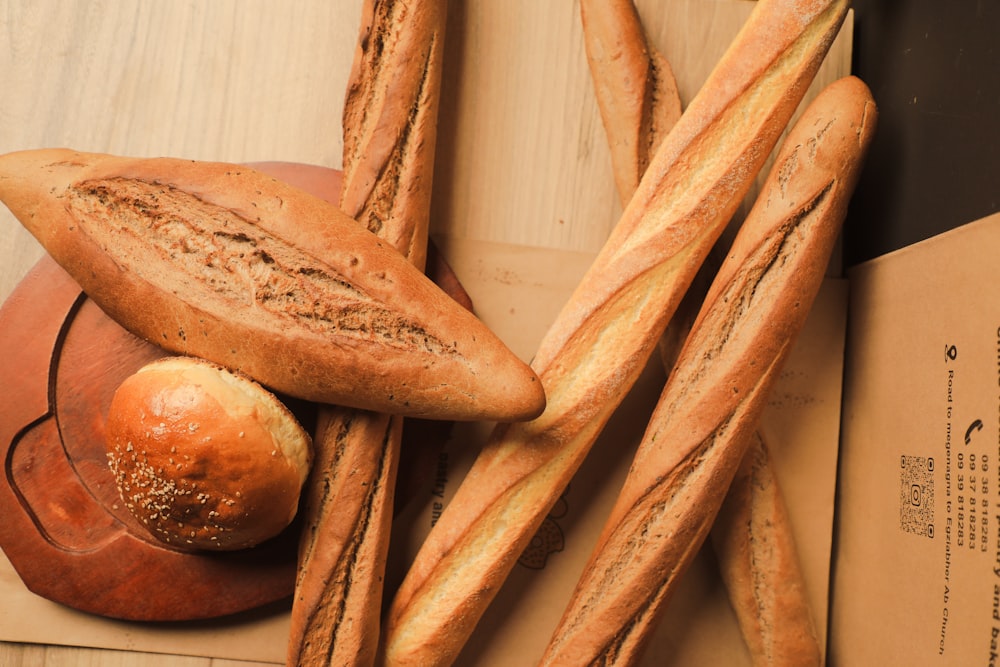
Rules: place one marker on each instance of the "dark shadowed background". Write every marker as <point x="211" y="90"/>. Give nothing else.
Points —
<point x="934" y="69"/>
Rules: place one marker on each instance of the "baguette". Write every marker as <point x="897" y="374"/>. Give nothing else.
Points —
<point x="390" y="122"/>
<point x="603" y="337"/>
<point x="221" y="262"/>
<point x="389" y="128"/>
<point x="346" y="514"/>
<point x="634" y="85"/>
<point x="753" y="540"/>
<point x="760" y="566"/>
<point x="705" y="418"/>
<point x="776" y="621"/>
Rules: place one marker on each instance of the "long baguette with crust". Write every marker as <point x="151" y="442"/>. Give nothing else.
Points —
<point x="760" y="566"/>
<point x="753" y="535"/>
<point x="709" y="410"/>
<point x="222" y="262"/>
<point x="634" y="86"/>
<point x="389" y="126"/>
<point x="346" y="513"/>
<point x="390" y="121"/>
<point x="753" y="541"/>
<point x="603" y="337"/>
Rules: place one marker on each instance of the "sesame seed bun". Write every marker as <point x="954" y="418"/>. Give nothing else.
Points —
<point x="203" y="457"/>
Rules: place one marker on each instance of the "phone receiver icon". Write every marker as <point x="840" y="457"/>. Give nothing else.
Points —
<point x="974" y="426"/>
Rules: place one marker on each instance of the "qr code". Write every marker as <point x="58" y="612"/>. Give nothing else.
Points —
<point x="916" y="495"/>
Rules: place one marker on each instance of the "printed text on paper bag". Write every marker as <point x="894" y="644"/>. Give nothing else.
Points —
<point x="971" y="479"/>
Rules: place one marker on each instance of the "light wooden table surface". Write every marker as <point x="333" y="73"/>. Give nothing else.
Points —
<point x="522" y="156"/>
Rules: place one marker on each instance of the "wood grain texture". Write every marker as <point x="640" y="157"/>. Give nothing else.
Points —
<point x="226" y="80"/>
<point x="229" y="80"/>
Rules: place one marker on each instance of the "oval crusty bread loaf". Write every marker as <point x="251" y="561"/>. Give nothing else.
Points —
<point x="221" y="262"/>
<point x="710" y="407"/>
<point x="603" y="337"/>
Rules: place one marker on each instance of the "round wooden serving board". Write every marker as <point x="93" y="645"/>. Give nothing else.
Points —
<point x="62" y="524"/>
<point x="64" y="528"/>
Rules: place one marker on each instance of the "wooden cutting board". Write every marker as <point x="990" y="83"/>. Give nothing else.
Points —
<point x="64" y="528"/>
